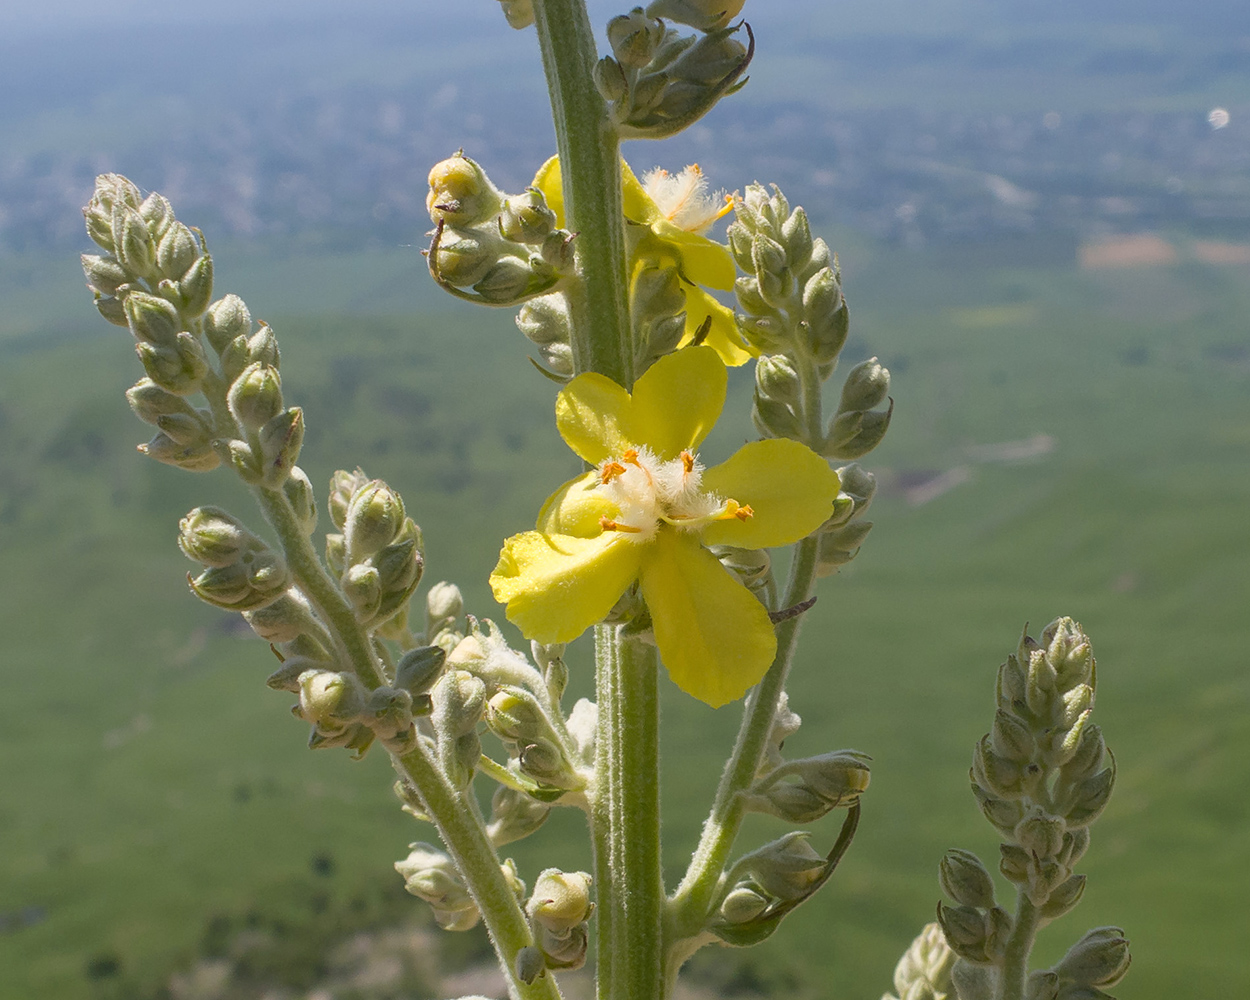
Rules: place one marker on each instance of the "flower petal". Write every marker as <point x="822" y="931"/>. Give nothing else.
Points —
<point x="637" y="204"/>
<point x="714" y="637"/>
<point x="557" y="586"/>
<point x="549" y="181"/>
<point x="703" y="261"/>
<point x="595" y="417"/>
<point x="789" y="487"/>
<point x="575" y="508"/>
<point x="722" y="336"/>
<point x="677" y="400"/>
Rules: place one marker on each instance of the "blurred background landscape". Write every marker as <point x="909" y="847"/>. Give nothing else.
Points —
<point x="1042" y="212"/>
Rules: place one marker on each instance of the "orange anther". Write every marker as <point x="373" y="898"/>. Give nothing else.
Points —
<point x="610" y="471"/>
<point x="687" y="462"/>
<point x="630" y="456"/>
<point x="744" y="513"/>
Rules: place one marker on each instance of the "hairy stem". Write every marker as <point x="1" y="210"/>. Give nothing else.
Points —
<point x="590" y="164"/>
<point x="625" y="819"/>
<point x="1015" y="968"/>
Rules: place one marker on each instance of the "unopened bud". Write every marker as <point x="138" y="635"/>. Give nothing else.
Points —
<point x="460" y="193"/>
<point x="514" y="815"/>
<point x="526" y="218"/>
<point x="152" y="319"/>
<point x="825" y="315"/>
<point x="866" y="386"/>
<point x="328" y="698"/>
<point x="706" y="15"/>
<point x="788" y="868"/>
<point x="284" y="620"/>
<point x="1040" y="834"/>
<point x="514" y="714"/>
<point x="610" y="79"/>
<point x="280" y="442"/>
<point x="226" y="319"/>
<point x="373" y="518"/>
<point x="965" y="880"/>
<point x="255" y="397"/>
<point x="430" y="874"/>
<point x="176" y="252"/>
<point x="634" y="38"/>
<point x="1100" y="958"/>
<point x="925" y="966"/>
<point x="213" y="537"/>
<point x="262" y="346"/>
<point x="510" y="280"/>
<point x="742" y="905"/>
<point x="561" y="900"/>
<point x="852" y="434"/>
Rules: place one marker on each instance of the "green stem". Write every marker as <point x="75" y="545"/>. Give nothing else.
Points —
<point x="693" y="897"/>
<point x="478" y="863"/>
<point x="1015" y="968"/>
<point x="590" y="165"/>
<point x="625" y="819"/>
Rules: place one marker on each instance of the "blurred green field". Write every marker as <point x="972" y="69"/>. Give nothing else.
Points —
<point x="151" y="781"/>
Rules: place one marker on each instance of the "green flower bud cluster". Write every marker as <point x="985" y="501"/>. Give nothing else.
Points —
<point x="842" y="535"/>
<point x="559" y="912"/>
<point x="504" y="249"/>
<point x="377" y="556"/>
<point x="802" y="791"/>
<point x="145" y="249"/>
<point x="766" y="884"/>
<point x="658" y="81"/>
<point x="1041" y="777"/>
<point x="520" y="13"/>
<point x="241" y="572"/>
<point x="430" y="874"/>
<point x="924" y="971"/>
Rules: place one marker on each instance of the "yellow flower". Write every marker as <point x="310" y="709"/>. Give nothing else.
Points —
<point x="672" y="211"/>
<point x="645" y="514"/>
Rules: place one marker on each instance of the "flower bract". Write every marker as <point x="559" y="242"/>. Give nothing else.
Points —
<point x="669" y="214"/>
<point x="646" y="513"/>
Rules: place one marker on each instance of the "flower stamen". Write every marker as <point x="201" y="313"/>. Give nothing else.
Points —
<point x="610" y="471"/>
<point x="607" y="524"/>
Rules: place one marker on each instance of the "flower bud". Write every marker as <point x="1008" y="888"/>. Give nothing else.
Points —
<point x="1040" y="834"/>
<point x="1090" y="798"/>
<point x="262" y="346"/>
<point x="852" y="434"/>
<point x="195" y="290"/>
<point x="965" y="880"/>
<point x="150" y="402"/>
<point x="520" y="14"/>
<point x="825" y="315"/>
<point x="510" y="279"/>
<point x="1100" y="958"/>
<point x="464" y="257"/>
<point x="362" y="585"/>
<point x="514" y="815"/>
<point x="255" y="397"/>
<point x="176" y="252"/>
<point x="419" y="668"/>
<point x="787" y="869"/>
<point x="610" y="79"/>
<point x="866" y="386"/>
<point x="526" y="218"/>
<point x="545" y="319"/>
<point x="152" y="319"/>
<point x="776" y="379"/>
<point x="373" y="519"/>
<point x="514" y="714"/>
<point x="634" y="37"/>
<point x="430" y="874"/>
<point x="132" y="242"/>
<point x="966" y="931"/>
<point x="257" y="579"/>
<point x="561" y="900"/>
<point x="742" y="905"/>
<point x="213" y="537"/>
<point x="226" y="319"/>
<point x="1064" y="897"/>
<point x="460" y="193"/>
<point x="567" y="950"/>
<point x="330" y="698"/>
<point x="284" y="620"/>
<point x="104" y="274"/>
<point x="774" y="419"/>
<point x="280" y="442"/>
<point x="459" y="700"/>
<point x="157" y="213"/>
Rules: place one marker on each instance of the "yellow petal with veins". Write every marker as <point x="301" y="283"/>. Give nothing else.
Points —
<point x="575" y="509"/>
<point x="595" y="417"/>
<point x="714" y="637"/>
<point x="703" y="261"/>
<point x="677" y="401"/>
<point x="557" y="586"/>
<point x="789" y="488"/>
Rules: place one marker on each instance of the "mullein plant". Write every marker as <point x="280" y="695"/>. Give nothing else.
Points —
<point x="664" y="559"/>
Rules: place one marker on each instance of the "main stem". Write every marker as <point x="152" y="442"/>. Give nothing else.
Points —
<point x="590" y="164"/>
<point x="625" y="804"/>
<point x="1015" y="968"/>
